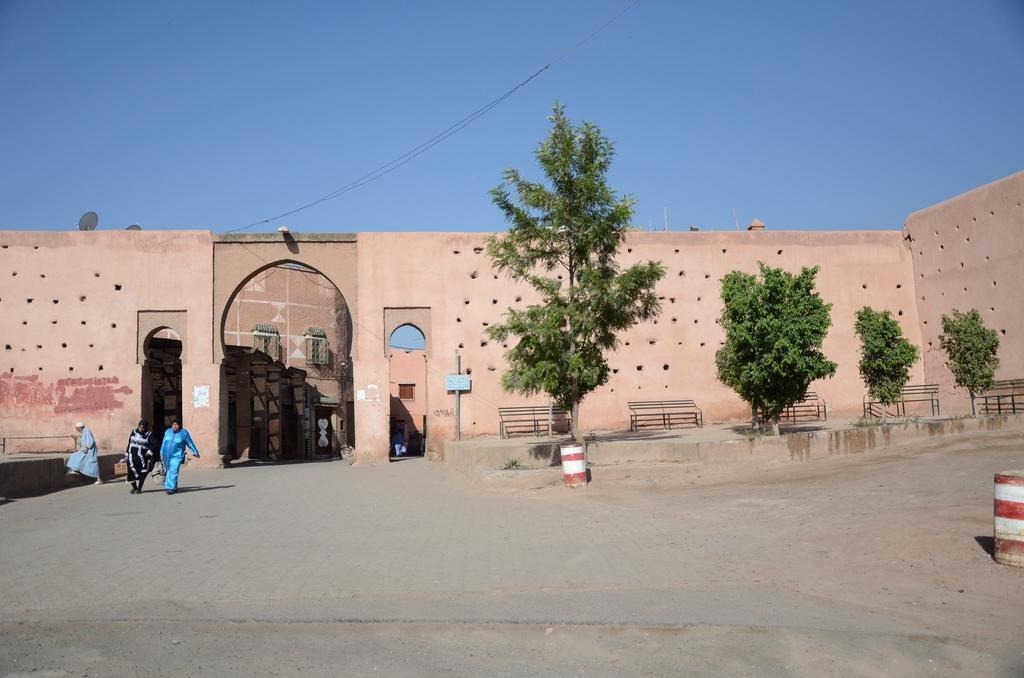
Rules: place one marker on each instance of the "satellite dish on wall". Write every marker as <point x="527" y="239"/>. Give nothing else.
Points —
<point x="88" y="222"/>
<point x="134" y="227"/>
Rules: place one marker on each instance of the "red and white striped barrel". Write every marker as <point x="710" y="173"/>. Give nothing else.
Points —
<point x="1009" y="510"/>
<point x="574" y="465"/>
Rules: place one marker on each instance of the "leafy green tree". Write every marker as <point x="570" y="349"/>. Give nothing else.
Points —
<point x="971" y="349"/>
<point x="774" y="328"/>
<point x="562" y="241"/>
<point x="885" y="356"/>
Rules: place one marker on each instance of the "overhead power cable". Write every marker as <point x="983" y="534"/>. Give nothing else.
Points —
<point x="412" y="153"/>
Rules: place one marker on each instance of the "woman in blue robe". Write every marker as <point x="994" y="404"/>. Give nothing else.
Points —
<point x="86" y="461"/>
<point x="172" y="453"/>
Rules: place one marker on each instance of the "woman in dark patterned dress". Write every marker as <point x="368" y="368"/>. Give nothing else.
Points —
<point x="139" y="456"/>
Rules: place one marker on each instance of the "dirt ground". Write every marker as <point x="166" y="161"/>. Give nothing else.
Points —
<point x="869" y="565"/>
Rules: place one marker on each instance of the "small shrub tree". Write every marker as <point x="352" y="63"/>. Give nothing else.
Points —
<point x="885" y="356"/>
<point x="971" y="350"/>
<point x="576" y="227"/>
<point x="774" y="328"/>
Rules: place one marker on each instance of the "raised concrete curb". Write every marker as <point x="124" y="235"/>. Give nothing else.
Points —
<point x="482" y="459"/>
<point x="29" y="475"/>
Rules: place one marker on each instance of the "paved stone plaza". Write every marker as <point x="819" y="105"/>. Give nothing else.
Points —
<point x="867" y="565"/>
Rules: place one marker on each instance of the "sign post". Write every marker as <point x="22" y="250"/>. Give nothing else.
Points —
<point x="458" y="383"/>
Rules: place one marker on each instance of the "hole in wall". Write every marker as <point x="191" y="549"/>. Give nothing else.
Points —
<point x="961" y="264"/>
<point x="469" y="370"/>
<point x="702" y="343"/>
<point x="64" y="345"/>
<point x="899" y="312"/>
<point x="694" y="321"/>
<point x="42" y="275"/>
<point x="100" y="368"/>
<point x="898" y="286"/>
<point x="724" y="250"/>
<point x="113" y="325"/>
<point x="629" y="250"/>
<point x="779" y="252"/>
<point x="682" y="274"/>
<point x="461" y="345"/>
<point x="615" y="370"/>
<point x="465" y="301"/>
<point x="7" y="347"/>
<point x="473" y="275"/>
<point x="458" y="320"/>
<point x="71" y="369"/>
<point x="707" y="275"/>
<point x="518" y="299"/>
<point x="14" y="273"/>
<point x="24" y="322"/>
<point x="81" y="298"/>
<point x="675" y="320"/>
<point x="490" y="369"/>
<point x="671" y="300"/>
<point x="993" y="283"/>
<point x="96" y="274"/>
<point x="478" y="250"/>
<point x="494" y="301"/>
<point x="665" y="366"/>
<point x="698" y="298"/>
<point x="29" y="300"/>
<point x="651" y="342"/>
<point x="483" y="343"/>
<point x="639" y="368"/>
<point x="864" y="286"/>
<point x="677" y="251"/>
<point x="627" y="343"/>
<point x="90" y="345"/>
<point x="117" y="287"/>
<point x="485" y="323"/>
<point x="456" y="252"/>
<point x="83" y="322"/>
<point x="1003" y="332"/>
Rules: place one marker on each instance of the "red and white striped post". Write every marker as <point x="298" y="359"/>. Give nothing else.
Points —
<point x="574" y="465"/>
<point x="1009" y="511"/>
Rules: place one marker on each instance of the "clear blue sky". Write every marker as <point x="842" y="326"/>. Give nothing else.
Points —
<point x="808" y="115"/>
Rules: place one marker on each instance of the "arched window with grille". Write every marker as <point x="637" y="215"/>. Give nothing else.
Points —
<point x="266" y="338"/>
<point x="317" y="348"/>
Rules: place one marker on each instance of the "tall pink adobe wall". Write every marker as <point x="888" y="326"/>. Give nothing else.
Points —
<point x="71" y="352"/>
<point x="969" y="253"/>
<point x="454" y="279"/>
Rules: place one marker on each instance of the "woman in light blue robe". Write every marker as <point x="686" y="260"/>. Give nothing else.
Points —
<point x="172" y="453"/>
<point x="86" y="461"/>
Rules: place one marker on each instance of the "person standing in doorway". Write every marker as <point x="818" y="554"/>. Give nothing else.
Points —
<point x="172" y="452"/>
<point x="86" y="461"/>
<point x="139" y="456"/>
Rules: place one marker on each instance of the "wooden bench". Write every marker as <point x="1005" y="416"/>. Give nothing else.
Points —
<point x="532" y="420"/>
<point x="1005" y="397"/>
<point x="811" y="408"/>
<point x="917" y="393"/>
<point x="664" y="414"/>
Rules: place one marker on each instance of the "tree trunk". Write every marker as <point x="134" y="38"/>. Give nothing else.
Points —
<point x="574" y="423"/>
<point x="974" y="412"/>
<point x="774" y="428"/>
<point x="753" y="419"/>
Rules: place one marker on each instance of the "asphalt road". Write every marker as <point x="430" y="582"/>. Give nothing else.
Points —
<point x="865" y="565"/>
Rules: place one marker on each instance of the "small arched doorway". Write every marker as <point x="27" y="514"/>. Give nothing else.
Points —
<point x="407" y="369"/>
<point x="162" y="379"/>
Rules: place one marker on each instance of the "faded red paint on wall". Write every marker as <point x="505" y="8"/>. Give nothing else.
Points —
<point x="92" y="394"/>
<point x="24" y="393"/>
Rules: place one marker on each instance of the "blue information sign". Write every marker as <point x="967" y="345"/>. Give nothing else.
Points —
<point x="457" y="382"/>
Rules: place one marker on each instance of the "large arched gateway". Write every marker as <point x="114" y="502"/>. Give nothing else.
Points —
<point x="284" y="340"/>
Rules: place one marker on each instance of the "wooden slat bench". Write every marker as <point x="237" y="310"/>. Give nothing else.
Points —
<point x="917" y="393"/>
<point x="811" y="408"/>
<point x="664" y="414"/>
<point x="532" y="420"/>
<point x="1005" y="397"/>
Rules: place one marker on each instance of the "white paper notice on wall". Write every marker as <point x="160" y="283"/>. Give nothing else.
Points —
<point x="361" y="395"/>
<point x="201" y="396"/>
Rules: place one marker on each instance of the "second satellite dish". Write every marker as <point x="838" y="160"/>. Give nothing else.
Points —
<point x="88" y="222"/>
<point x="134" y="227"/>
